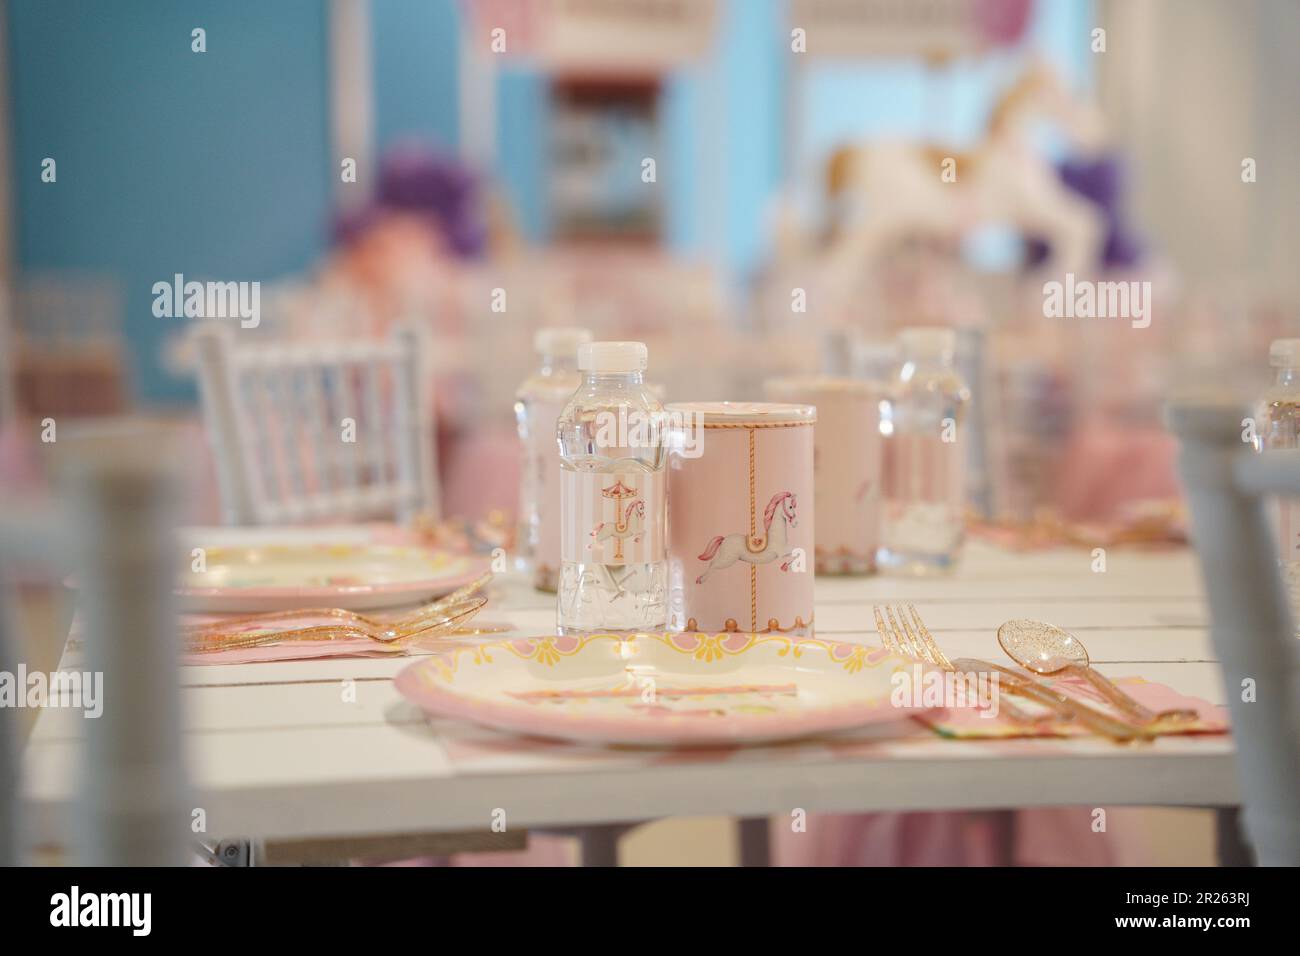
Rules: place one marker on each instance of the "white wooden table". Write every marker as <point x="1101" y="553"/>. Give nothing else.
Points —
<point x="278" y="751"/>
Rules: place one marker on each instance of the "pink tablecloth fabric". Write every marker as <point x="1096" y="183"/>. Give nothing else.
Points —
<point x="1057" y="836"/>
<point x="1105" y="467"/>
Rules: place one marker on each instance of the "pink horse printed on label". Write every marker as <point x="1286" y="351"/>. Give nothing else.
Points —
<point x="624" y="525"/>
<point x="723" y="552"/>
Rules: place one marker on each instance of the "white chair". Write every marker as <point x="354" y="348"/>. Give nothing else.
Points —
<point x="114" y="527"/>
<point x="1251" y="625"/>
<point x="304" y="432"/>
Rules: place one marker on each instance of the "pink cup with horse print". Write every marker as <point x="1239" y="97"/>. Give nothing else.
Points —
<point x="740" y="517"/>
<point x="846" y="467"/>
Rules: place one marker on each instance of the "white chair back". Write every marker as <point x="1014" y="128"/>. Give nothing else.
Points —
<point x="304" y="432"/>
<point x="1251" y="628"/>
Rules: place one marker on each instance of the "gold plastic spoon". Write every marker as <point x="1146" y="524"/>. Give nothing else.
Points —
<point x="1047" y="649"/>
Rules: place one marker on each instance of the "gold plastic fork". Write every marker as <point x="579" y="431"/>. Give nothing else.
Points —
<point x="454" y="608"/>
<point x="917" y="642"/>
<point x="374" y="626"/>
<point x="393" y="634"/>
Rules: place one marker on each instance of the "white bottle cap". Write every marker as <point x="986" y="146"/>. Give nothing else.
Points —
<point x="930" y="341"/>
<point x="612" y="357"/>
<point x="560" y="340"/>
<point x="1284" y="353"/>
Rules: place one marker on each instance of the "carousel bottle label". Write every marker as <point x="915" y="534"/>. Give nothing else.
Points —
<point x="612" y="517"/>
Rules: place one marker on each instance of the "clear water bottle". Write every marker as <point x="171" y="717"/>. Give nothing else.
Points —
<point x="538" y="404"/>
<point x="1280" y="429"/>
<point x="924" y="483"/>
<point x="613" y="567"/>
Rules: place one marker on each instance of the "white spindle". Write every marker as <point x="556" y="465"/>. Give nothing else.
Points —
<point x="314" y="410"/>
<point x="258" y="436"/>
<point x="376" y="435"/>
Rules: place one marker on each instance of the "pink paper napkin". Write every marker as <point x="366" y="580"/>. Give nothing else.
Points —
<point x="292" y="651"/>
<point x="968" y="724"/>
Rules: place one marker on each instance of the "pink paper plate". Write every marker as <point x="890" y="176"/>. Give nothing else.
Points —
<point x="660" y="689"/>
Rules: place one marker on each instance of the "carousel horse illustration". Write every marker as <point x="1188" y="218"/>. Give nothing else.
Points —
<point x="628" y="522"/>
<point x="897" y="188"/>
<point x="723" y="552"/>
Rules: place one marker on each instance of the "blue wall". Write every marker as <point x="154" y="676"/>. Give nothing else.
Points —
<point x="215" y="164"/>
<point x="755" y="65"/>
<point x="414" y="58"/>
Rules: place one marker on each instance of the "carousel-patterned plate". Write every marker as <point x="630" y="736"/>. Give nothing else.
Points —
<point x="269" y="573"/>
<point x="660" y="689"/>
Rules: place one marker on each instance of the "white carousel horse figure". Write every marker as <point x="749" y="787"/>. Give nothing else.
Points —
<point x="630" y="527"/>
<point x="897" y="189"/>
<point x="723" y="552"/>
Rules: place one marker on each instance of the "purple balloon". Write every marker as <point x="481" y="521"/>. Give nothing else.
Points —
<point x="416" y="178"/>
<point x="1100" y="181"/>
